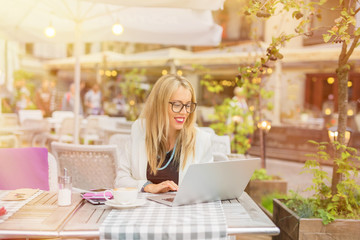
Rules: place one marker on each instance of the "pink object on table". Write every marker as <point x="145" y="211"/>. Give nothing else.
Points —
<point x="24" y="168"/>
<point x="97" y="195"/>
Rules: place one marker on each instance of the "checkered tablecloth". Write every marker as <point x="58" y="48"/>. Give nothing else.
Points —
<point x="158" y="221"/>
<point x="13" y="206"/>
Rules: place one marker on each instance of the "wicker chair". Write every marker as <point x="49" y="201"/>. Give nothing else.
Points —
<point x="90" y="166"/>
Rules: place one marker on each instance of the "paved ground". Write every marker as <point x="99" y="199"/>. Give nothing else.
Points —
<point x="291" y="172"/>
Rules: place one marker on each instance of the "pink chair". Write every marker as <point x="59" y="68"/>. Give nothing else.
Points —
<point x="27" y="168"/>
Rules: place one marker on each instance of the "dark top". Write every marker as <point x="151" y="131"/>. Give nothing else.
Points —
<point x="171" y="172"/>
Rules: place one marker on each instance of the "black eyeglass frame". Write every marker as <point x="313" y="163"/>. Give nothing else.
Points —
<point x="183" y="105"/>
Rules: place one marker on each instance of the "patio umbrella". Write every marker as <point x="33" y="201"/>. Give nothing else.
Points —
<point x="80" y="21"/>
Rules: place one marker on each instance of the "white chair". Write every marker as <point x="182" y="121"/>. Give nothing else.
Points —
<point x="220" y="146"/>
<point x="53" y="173"/>
<point x="121" y="141"/>
<point x="60" y="115"/>
<point x="30" y="128"/>
<point x="124" y="125"/>
<point x="91" y="131"/>
<point x="208" y="129"/>
<point x="8" y="120"/>
<point x="8" y="141"/>
<point x="66" y="130"/>
<point x="29" y="114"/>
<point x="90" y="166"/>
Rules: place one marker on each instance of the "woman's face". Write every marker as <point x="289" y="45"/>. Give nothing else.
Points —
<point x="177" y="120"/>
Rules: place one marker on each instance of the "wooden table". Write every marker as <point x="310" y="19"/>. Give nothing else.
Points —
<point x="43" y="218"/>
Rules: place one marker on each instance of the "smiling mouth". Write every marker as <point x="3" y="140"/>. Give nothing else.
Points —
<point x="180" y="120"/>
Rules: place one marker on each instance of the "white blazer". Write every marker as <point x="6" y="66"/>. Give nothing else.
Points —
<point x="132" y="168"/>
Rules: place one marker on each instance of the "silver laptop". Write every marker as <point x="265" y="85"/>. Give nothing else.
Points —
<point x="207" y="182"/>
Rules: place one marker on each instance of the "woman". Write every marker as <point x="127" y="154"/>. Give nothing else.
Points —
<point x="164" y="140"/>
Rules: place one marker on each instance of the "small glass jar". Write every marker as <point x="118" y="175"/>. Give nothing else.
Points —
<point x="65" y="190"/>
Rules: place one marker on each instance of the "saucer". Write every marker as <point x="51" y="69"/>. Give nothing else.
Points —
<point x="137" y="203"/>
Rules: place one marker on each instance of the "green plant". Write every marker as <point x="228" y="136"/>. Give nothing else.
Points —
<point x="232" y="120"/>
<point x="133" y="93"/>
<point x="229" y="118"/>
<point x="345" y="203"/>
<point x="267" y="200"/>
<point x="261" y="174"/>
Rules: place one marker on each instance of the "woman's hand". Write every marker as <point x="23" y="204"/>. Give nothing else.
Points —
<point x="162" y="187"/>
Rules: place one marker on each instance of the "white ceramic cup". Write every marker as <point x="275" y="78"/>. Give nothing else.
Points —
<point x="123" y="195"/>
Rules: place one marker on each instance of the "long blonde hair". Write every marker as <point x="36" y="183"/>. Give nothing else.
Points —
<point x="155" y="112"/>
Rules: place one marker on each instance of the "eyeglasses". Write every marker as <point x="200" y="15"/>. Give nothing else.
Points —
<point x="176" y="107"/>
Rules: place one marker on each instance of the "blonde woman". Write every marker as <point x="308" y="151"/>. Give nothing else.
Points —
<point x="164" y="140"/>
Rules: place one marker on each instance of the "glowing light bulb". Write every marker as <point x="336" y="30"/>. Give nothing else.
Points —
<point x="179" y="72"/>
<point x="327" y="111"/>
<point x="117" y="29"/>
<point x="50" y="31"/>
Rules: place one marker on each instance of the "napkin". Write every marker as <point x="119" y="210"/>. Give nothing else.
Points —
<point x="19" y="194"/>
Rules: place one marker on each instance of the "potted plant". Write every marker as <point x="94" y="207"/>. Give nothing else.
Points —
<point x="336" y="216"/>
<point x="262" y="184"/>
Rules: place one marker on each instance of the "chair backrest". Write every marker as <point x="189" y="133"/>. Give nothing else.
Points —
<point x="67" y="126"/>
<point x="220" y="144"/>
<point x="29" y="114"/>
<point x="9" y="141"/>
<point x="35" y="125"/>
<point x="8" y="120"/>
<point x="60" y="115"/>
<point x="27" y="168"/>
<point x="120" y="141"/>
<point x="90" y="166"/>
<point x="208" y="129"/>
<point x="92" y="126"/>
<point x="124" y="125"/>
<point x="53" y="173"/>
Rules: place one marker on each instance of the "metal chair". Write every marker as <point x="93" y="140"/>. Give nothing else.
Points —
<point x="90" y="166"/>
